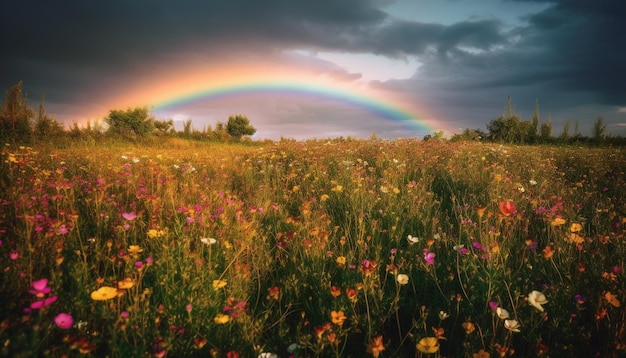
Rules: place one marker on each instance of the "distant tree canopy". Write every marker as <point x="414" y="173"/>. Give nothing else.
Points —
<point x="131" y="122"/>
<point x="239" y="126"/>
<point x="15" y="116"/>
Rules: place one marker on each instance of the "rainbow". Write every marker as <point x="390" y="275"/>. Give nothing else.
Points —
<point x="379" y="107"/>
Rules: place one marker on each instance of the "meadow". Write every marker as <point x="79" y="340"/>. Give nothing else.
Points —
<point x="341" y="248"/>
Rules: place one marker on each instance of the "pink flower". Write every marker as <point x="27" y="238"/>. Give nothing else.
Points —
<point x="40" y="288"/>
<point x="429" y="257"/>
<point x="129" y="216"/>
<point x="64" y="320"/>
<point x="43" y="303"/>
<point x="14" y="255"/>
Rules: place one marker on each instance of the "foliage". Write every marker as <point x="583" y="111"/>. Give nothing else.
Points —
<point x="312" y="249"/>
<point x="15" y="116"/>
<point x="239" y="126"/>
<point x="130" y="123"/>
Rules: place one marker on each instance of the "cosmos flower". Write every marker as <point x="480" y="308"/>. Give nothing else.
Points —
<point x="40" y="288"/>
<point x="64" y="320"/>
<point x="104" y="293"/>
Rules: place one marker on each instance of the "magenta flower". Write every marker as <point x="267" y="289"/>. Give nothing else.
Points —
<point x="129" y="216"/>
<point x="429" y="257"/>
<point x="14" y="255"/>
<point x="64" y="320"/>
<point x="40" y="288"/>
<point x="43" y="303"/>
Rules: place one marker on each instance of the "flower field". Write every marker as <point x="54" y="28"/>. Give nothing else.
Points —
<point x="341" y="248"/>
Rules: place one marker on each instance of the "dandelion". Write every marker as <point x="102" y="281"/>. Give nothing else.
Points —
<point x="375" y="346"/>
<point x="512" y="325"/>
<point x="104" y="293"/>
<point x="428" y="345"/>
<point x="64" y="320"/>
<point x="536" y="299"/>
<point x="402" y="279"/>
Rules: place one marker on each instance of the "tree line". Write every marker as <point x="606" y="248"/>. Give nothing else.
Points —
<point x="20" y="123"/>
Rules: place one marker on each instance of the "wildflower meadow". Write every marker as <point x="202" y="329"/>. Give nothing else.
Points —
<point x="339" y="248"/>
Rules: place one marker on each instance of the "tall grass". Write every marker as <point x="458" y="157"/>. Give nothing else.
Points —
<point x="312" y="249"/>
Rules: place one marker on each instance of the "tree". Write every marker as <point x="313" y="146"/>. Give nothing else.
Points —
<point x="45" y="125"/>
<point x="132" y="122"/>
<point x="15" y="116"/>
<point x="598" y="129"/>
<point x="239" y="126"/>
<point x="545" y="131"/>
<point x="164" y="127"/>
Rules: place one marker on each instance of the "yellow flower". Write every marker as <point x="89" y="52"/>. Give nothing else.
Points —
<point x="217" y="284"/>
<point x="324" y="197"/>
<point x="337" y="189"/>
<point x="341" y="261"/>
<point x="337" y="317"/>
<point x="134" y="250"/>
<point x="428" y="345"/>
<point x="104" y="293"/>
<point x="221" y="318"/>
<point x="574" y="238"/>
<point x="558" y="221"/>
<point x="575" y="227"/>
<point x="126" y="283"/>
<point x="481" y="354"/>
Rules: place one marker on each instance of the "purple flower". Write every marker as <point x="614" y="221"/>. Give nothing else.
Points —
<point x="493" y="305"/>
<point x="64" y="320"/>
<point x="580" y="299"/>
<point x="477" y="245"/>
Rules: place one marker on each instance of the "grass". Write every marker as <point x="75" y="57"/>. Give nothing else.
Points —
<point x="312" y="249"/>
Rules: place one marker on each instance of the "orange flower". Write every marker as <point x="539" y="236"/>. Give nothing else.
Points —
<point x="337" y="317"/>
<point x="335" y="291"/>
<point x="480" y="211"/>
<point x="547" y="253"/>
<point x="507" y="207"/>
<point x="612" y="299"/>
<point x="468" y="327"/>
<point x="439" y="332"/>
<point x="375" y="346"/>
<point x="352" y="294"/>
<point x="273" y="293"/>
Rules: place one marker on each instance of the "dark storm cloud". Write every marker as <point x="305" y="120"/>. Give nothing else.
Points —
<point x="571" y="53"/>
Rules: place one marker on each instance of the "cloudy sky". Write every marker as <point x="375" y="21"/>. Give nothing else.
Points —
<point x="324" y="68"/>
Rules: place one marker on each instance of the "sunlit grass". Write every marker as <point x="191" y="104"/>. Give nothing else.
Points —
<point x="317" y="248"/>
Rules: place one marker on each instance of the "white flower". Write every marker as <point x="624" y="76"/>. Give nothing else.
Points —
<point x="412" y="240"/>
<point x="533" y="182"/>
<point x="512" y="325"/>
<point x="268" y="355"/>
<point x="402" y="279"/>
<point x="208" y="240"/>
<point x="502" y="313"/>
<point x="443" y="315"/>
<point x="537" y="299"/>
<point x="292" y="348"/>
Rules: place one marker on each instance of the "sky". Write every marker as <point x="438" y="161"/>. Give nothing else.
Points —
<point x="325" y="68"/>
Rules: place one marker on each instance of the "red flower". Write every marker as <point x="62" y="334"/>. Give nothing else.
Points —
<point x="507" y="208"/>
